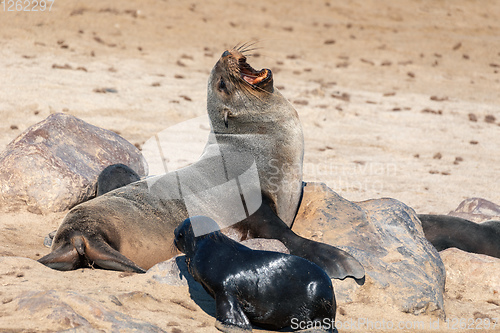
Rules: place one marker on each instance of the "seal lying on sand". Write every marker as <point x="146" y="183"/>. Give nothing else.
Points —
<point x="269" y="289"/>
<point x="249" y="178"/>
<point x="444" y="231"/>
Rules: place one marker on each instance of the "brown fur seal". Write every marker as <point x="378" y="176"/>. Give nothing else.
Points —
<point x="268" y="289"/>
<point x="249" y="178"/>
<point x="444" y="231"/>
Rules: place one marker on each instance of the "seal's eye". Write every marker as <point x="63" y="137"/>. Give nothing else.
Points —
<point x="222" y="86"/>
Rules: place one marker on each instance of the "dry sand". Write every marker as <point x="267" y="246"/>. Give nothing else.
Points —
<point x="397" y="99"/>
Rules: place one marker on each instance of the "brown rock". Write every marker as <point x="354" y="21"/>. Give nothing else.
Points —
<point x="69" y="310"/>
<point x="403" y="270"/>
<point x="53" y="165"/>
<point x="471" y="276"/>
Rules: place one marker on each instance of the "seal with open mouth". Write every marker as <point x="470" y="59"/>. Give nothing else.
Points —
<point x="249" y="177"/>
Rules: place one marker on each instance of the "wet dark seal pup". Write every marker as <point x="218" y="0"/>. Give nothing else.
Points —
<point x="444" y="231"/>
<point x="268" y="289"/>
<point x="255" y="131"/>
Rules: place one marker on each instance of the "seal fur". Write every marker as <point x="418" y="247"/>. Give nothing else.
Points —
<point x="255" y="287"/>
<point x="131" y="228"/>
<point x="444" y="231"/>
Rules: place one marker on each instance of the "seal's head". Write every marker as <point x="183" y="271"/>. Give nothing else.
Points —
<point x="192" y="230"/>
<point x="184" y="236"/>
<point x="248" y="115"/>
<point x="239" y="95"/>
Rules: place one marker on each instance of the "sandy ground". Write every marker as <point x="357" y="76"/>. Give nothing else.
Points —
<point x="397" y="99"/>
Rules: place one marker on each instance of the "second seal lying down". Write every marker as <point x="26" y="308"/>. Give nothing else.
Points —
<point x="269" y="289"/>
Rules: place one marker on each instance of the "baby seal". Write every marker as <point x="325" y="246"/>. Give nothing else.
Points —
<point x="269" y="289"/>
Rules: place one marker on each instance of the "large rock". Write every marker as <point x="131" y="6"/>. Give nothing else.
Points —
<point x="53" y="165"/>
<point x="472" y="275"/>
<point x="472" y="279"/>
<point x="477" y="210"/>
<point x="70" y="310"/>
<point x="403" y="270"/>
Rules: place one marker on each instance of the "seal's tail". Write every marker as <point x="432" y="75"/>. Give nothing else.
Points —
<point x="81" y="252"/>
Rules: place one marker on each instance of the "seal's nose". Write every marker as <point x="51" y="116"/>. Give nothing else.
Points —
<point x="226" y="53"/>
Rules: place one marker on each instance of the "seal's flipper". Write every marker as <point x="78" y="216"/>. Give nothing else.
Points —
<point x="106" y="257"/>
<point x="444" y="231"/>
<point x="83" y="253"/>
<point x="230" y="315"/>
<point x="337" y="263"/>
<point x="65" y="258"/>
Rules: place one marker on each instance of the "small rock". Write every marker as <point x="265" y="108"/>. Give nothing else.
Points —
<point x="490" y="119"/>
<point x="471" y="276"/>
<point x="472" y="117"/>
<point x="477" y="210"/>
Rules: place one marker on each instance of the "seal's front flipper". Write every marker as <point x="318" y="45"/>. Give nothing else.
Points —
<point x="80" y="253"/>
<point x="337" y="263"/>
<point x="230" y="315"/>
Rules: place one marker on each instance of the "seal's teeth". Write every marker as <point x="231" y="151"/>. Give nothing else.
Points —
<point x="262" y="76"/>
<point x="255" y="79"/>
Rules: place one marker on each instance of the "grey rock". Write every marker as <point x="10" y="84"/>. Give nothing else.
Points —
<point x="403" y="270"/>
<point x="173" y="272"/>
<point x="54" y="165"/>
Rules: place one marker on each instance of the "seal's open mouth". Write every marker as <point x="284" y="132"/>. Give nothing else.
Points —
<point x="252" y="76"/>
